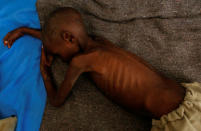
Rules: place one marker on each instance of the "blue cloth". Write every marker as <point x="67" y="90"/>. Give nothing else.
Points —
<point x="22" y="91"/>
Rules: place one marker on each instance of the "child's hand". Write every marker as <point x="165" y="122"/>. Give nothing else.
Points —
<point x="46" y="59"/>
<point x="43" y="60"/>
<point x="45" y="64"/>
<point x="10" y="38"/>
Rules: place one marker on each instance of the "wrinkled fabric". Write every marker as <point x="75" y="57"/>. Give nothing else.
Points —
<point x="8" y="124"/>
<point x="22" y="91"/>
<point x="185" y="118"/>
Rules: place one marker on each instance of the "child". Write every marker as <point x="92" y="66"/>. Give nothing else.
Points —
<point x="121" y="75"/>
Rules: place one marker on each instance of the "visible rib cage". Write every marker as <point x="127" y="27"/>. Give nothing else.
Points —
<point x="115" y="77"/>
<point x="131" y="82"/>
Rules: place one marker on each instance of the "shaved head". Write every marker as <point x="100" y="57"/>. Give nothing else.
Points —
<point x="64" y="19"/>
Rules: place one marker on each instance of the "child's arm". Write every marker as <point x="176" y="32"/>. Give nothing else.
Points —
<point x="77" y="66"/>
<point x="10" y="38"/>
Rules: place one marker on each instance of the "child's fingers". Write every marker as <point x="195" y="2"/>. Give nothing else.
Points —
<point x="46" y="58"/>
<point x="8" y="41"/>
<point x="5" y="40"/>
<point x="42" y="52"/>
<point x="9" y="45"/>
<point x="43" y="58"/>
<point x="49" y="59"/>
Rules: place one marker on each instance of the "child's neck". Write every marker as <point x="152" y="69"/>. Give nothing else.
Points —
<point x="89" y="44"/>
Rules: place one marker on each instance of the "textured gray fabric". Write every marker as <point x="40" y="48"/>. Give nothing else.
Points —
<point x="166" y="33"/>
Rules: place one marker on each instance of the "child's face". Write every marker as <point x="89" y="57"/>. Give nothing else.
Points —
<point x="65" y="50"/>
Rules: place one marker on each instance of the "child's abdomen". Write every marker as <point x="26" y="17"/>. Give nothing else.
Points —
<point x="118" y="78"/>
<point x="132" y="83"/>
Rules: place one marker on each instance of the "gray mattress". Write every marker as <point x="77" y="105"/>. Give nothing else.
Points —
<point x="166" y="33"/>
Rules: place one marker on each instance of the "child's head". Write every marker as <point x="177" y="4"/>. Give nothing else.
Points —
<point x="64" y="32"/>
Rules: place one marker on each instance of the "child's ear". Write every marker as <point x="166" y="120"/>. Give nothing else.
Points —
<point x="67" y="36"/>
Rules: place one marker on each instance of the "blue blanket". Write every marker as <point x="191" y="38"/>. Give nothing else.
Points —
<point x="22" y="91"/>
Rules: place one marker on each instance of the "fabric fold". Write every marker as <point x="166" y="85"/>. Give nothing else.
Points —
<point x="22" y="91"/>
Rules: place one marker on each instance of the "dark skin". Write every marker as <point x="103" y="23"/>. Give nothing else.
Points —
<point x="121" y="75"/>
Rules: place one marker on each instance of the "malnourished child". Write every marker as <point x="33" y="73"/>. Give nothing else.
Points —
<point x="121" y="75"/>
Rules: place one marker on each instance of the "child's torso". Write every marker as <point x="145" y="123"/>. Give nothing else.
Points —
<point x="131" y="82"/>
